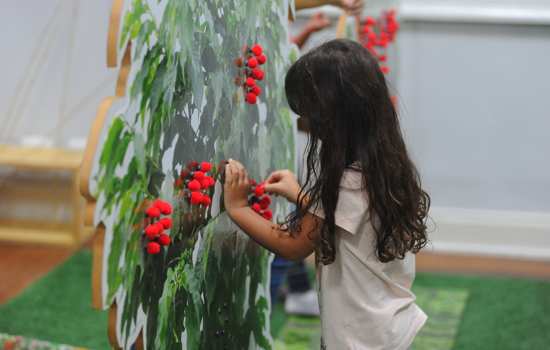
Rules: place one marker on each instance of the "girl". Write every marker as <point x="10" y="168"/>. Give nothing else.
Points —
<point x="361" y="209"/>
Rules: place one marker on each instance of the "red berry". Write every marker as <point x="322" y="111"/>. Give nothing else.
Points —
<point x="256" y="50"/>
<point x="262" y="59"/>
<point x="153" y="248"/>
<point x="207" y="182"/>
<point x="383" y="58"/>
<point x="184" y="174"/>
<point x="192" y="165"/>
<point x="258" y="74"/>
<point x="250" y="82"/>
<point x="151" y="231"/>
<point x="265" y="201"/>
<point x="252" y="62"/>
<point x="164" y="240"/>
<point x="196" y="198"/>
<point x="153" y="212"/>
<point x="385" y="69"/>
<point x="256" y="207"/>
<point x="252" y="182"/>
<point x="256" y="90"/>
<point x="370" y="21"/>
<point x="211" y="181"/>
<point x="166" y="223"/>
<point x="251" y="98"/>
<point x="206" y="201"/>
<point x="164" y="207"/>
<point x="259" y="190"/>
<point x="371" y="37"/>
<point x="267" y="214"/>
<point x="194" y="185"/>
<point x="206" y="166"/>
<point x="197" y="175"/>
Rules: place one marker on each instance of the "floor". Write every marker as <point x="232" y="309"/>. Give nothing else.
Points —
<point x="40" y="259"/>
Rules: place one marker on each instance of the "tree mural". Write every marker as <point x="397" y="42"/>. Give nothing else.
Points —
<point x="206" y="287"/>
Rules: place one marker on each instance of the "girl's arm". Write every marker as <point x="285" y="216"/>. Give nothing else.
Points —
<point x="289" y="245"/>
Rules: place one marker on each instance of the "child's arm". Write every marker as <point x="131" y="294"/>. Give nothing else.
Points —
<point x="289" y="245"/>
<point x="316" y="23"/>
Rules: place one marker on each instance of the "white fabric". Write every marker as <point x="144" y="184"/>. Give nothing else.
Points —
<point x="365" y="304"/>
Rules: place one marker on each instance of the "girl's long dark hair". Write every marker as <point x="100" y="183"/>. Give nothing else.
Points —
<point x="339" y="90"/>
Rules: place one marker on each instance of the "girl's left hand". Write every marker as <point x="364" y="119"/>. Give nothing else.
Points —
<point x="236" y="186"/>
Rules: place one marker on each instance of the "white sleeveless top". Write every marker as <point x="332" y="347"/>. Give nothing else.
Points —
<point x="365" y="304"/>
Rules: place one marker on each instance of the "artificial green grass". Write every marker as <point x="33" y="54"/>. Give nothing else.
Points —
<point x="500" y="314"/>
<point x="57" y="308"/>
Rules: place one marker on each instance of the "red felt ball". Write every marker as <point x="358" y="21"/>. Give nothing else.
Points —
<point x="258" y="74"/>
<point x="256" y="90"/>
<point x="194" y="185"/>
<point x="164" y="207"/>
<point x="151" y="231"/>
<point x="256" y="50"/>
<point x="153" y="248"/>
<point x="250" y="82"/>
<point x="370" y="21"/>
<point x="259" y="190"/>
<point x="153" y="212"/>
<point x="268" y="214"/>
<point x="265" y="201"/>
<point x="205" y="200"/>
<point x="385" y="69"/>
<point x="256" y="207"/>
<point x="252" y="62"/>
<point x="197" y="175"/>
<point x="251" y="98"/>
<point x="371" y="37"/>
<point x="164" y="240"/>
<point x="262" y="59"/>
<point x="196" y="197"/>
<point x="166" y="223"/>
<point x="206" y="166"/>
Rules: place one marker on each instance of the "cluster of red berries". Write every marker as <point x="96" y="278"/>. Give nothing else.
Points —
<point x="196" y="182"/>
<point x="254" y="58"/>
<point x="259" y="201"/>
<point x="154" y="231"/>
<point x="378" y="35"/>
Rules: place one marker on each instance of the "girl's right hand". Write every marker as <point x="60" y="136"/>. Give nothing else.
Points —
<point x="283" y="183"/>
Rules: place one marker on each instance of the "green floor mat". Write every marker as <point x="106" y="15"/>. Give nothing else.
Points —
<point x="12" y="342"/>
<point x="444" y="308"/>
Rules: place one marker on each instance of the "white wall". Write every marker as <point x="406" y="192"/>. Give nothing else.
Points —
<point x="473" y="82"/>
<point x="54" y="72"/>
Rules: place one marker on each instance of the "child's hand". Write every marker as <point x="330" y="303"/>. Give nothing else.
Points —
<point x="283" y="183"/>
<point x="317" y="22"/>
<point x="236" y="186"/>
<point x="353" y="7"/>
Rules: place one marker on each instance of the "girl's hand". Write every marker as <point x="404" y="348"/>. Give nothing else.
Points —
<point x="236" y="186"/>
<point x="283" y="183"/>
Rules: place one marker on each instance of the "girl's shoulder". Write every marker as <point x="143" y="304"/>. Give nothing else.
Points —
<point x="352" y="179"/>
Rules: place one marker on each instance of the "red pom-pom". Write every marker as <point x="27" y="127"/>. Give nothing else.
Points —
<point x="206" y="166"/>
<point x="194" y="185"/>
<point x="151" y="231"/>
<point x="166" y="222"/>
<point x="252" y="62"/>
<point x="370" y="21"/>
<point x="385" y="69"/>
<point x="371" y="37"/>
<point x="197" y="175"/>
<point x="251" y="98"/>
<point x="267" y="214"/>
<point x="256" y="207"/>
<point x="256" y="50"/>
<point x="205" y="200"/>
<point x="164" y="240"/>
<point x="153" y="248"/>
<point x="265" y="201"/>
<point x="164" y="207"/>
<point x="153" y="212"/>
<point x="196" y="198"/>
<point x="256" y="90"/>
<point x="258" y="74"/>
<point x="250" y="82"/>
<point x="207" y="182"/>
<point x="262" y="59"/>
<point x="259" y="190"/>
